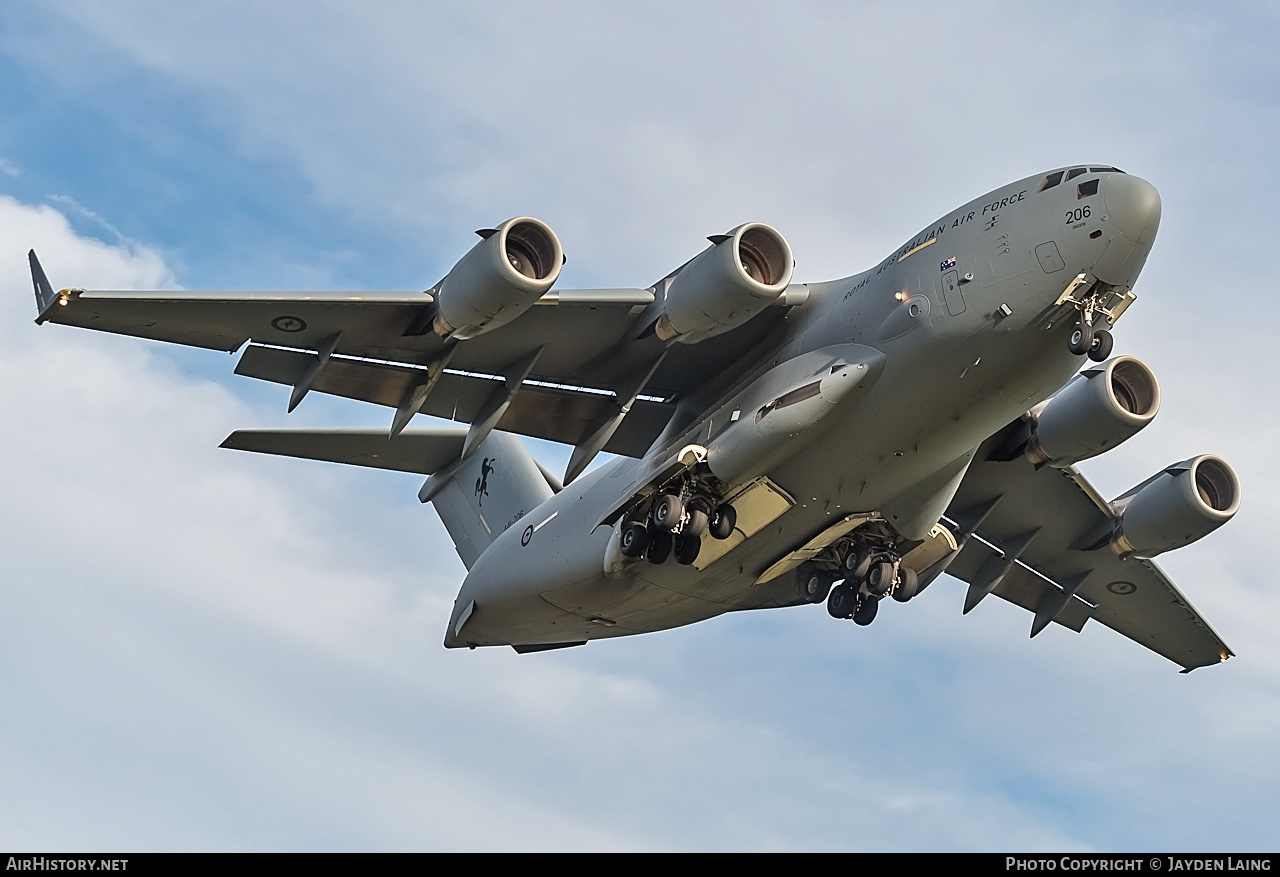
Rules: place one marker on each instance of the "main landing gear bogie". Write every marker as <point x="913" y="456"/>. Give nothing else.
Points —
<point x="686" y="548"/>
<point x="667" y="512"/>
<point x="845" y="602"/>
<point x="675" y="524"/>
<point x="908" y="584"/>
<point x="880" y="578"/>
<point x="660" y="544"/>
<point x="722" y="521"/>
<point x="866" y="611"/>
<point x="842" y="601"/>
<point x="814" y="584"/>
<point x="870" y="573"/>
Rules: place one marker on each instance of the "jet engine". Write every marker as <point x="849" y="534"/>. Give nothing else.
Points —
<point x="499" y="279"/>
<point x="1097" y="410"/>
<point x="1185" y="502"/>
<point x="725" y="285"/>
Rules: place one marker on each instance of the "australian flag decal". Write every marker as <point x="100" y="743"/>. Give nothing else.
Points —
<point x="948" y="264"/>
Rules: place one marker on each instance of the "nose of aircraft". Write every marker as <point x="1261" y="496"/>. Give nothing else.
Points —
<point x="1133" y="205"/>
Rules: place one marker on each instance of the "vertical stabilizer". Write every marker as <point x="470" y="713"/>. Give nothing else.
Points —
<point x="488" y="492"/>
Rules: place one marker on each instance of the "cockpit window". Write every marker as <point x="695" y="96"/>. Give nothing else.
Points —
<point x="1075" y="172"/>
<point x="1105" y="170"/>
<point x="1087" y="188"/>
<point x="1050" y="181"/>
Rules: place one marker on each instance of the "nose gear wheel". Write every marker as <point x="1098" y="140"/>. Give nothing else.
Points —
<point x="1100" y="349"/>
<point x="1081" y="338"/>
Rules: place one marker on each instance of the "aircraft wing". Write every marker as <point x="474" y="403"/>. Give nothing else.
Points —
<point x="1022" y="529"/>
<point x="226" y="320"/>
<point x="587" y="350"/>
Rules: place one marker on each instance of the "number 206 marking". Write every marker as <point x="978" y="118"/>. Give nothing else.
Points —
<point x="1078" y="214"/>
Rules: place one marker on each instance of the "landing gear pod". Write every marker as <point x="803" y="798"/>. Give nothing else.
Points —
<point x="1182" y="504"/>
<point x="499" y="279"/>
<point x="728" y="283"/>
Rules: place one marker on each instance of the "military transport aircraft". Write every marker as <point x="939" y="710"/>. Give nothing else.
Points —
<point x="774" y="443"/>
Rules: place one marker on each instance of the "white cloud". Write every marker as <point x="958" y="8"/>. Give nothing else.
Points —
<point x="83" y="212"/>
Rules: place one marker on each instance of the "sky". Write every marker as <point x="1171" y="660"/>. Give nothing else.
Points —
<point x="206" y="650"/>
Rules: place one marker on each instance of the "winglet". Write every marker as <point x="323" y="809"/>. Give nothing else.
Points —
<point x="46" y="298"/>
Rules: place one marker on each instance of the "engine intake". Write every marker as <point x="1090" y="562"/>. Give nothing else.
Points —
<point x="725" y="285"/>
<point x="1180" y="505"/>
<point x="498" y="279"/>
<point x="1097" y="410"/>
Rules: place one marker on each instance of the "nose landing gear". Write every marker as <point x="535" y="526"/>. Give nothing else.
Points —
<point x="1081" y="338"/>
<point x="1101" y="300"/>
<point x="1086" y="340"/>
<point x="1100" y="349"/>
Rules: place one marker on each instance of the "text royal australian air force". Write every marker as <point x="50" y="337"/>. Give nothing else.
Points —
<point x="987" y="210"/>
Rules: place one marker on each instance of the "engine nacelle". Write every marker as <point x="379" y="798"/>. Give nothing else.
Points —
<point x="725" y="285"/>
<point x="1185" y="502"/>
<point x="499" y="279"/>
<point x="1097" y="410"/>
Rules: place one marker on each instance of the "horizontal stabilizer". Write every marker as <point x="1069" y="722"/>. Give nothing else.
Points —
<point x="422" y="451"/>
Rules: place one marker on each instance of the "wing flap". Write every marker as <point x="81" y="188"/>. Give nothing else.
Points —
<point x="558" y="414"/>
<point x="1020" y="586"/>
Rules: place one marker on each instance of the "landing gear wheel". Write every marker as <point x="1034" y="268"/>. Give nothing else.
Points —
<point x="813" y="584"/>
<point x="723" y="520"/>
<point x="1081" y="338"/>
<point x="908" y="584"/>
<point x="634" y="539"/>
<point x="667" y="512"/>
<point x="866" y="611"/>
<point x="660" y="542"/>
<point x="857" y="563"/>
<point x="697" y="523"/>
<point x="687" y="548"/>
<point x="842" y="602"/>
<point x="880" y="579"/>
<point x="1102" y="344"/>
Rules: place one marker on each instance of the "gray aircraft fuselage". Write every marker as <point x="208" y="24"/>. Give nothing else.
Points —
<point x="955" y="334"/>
